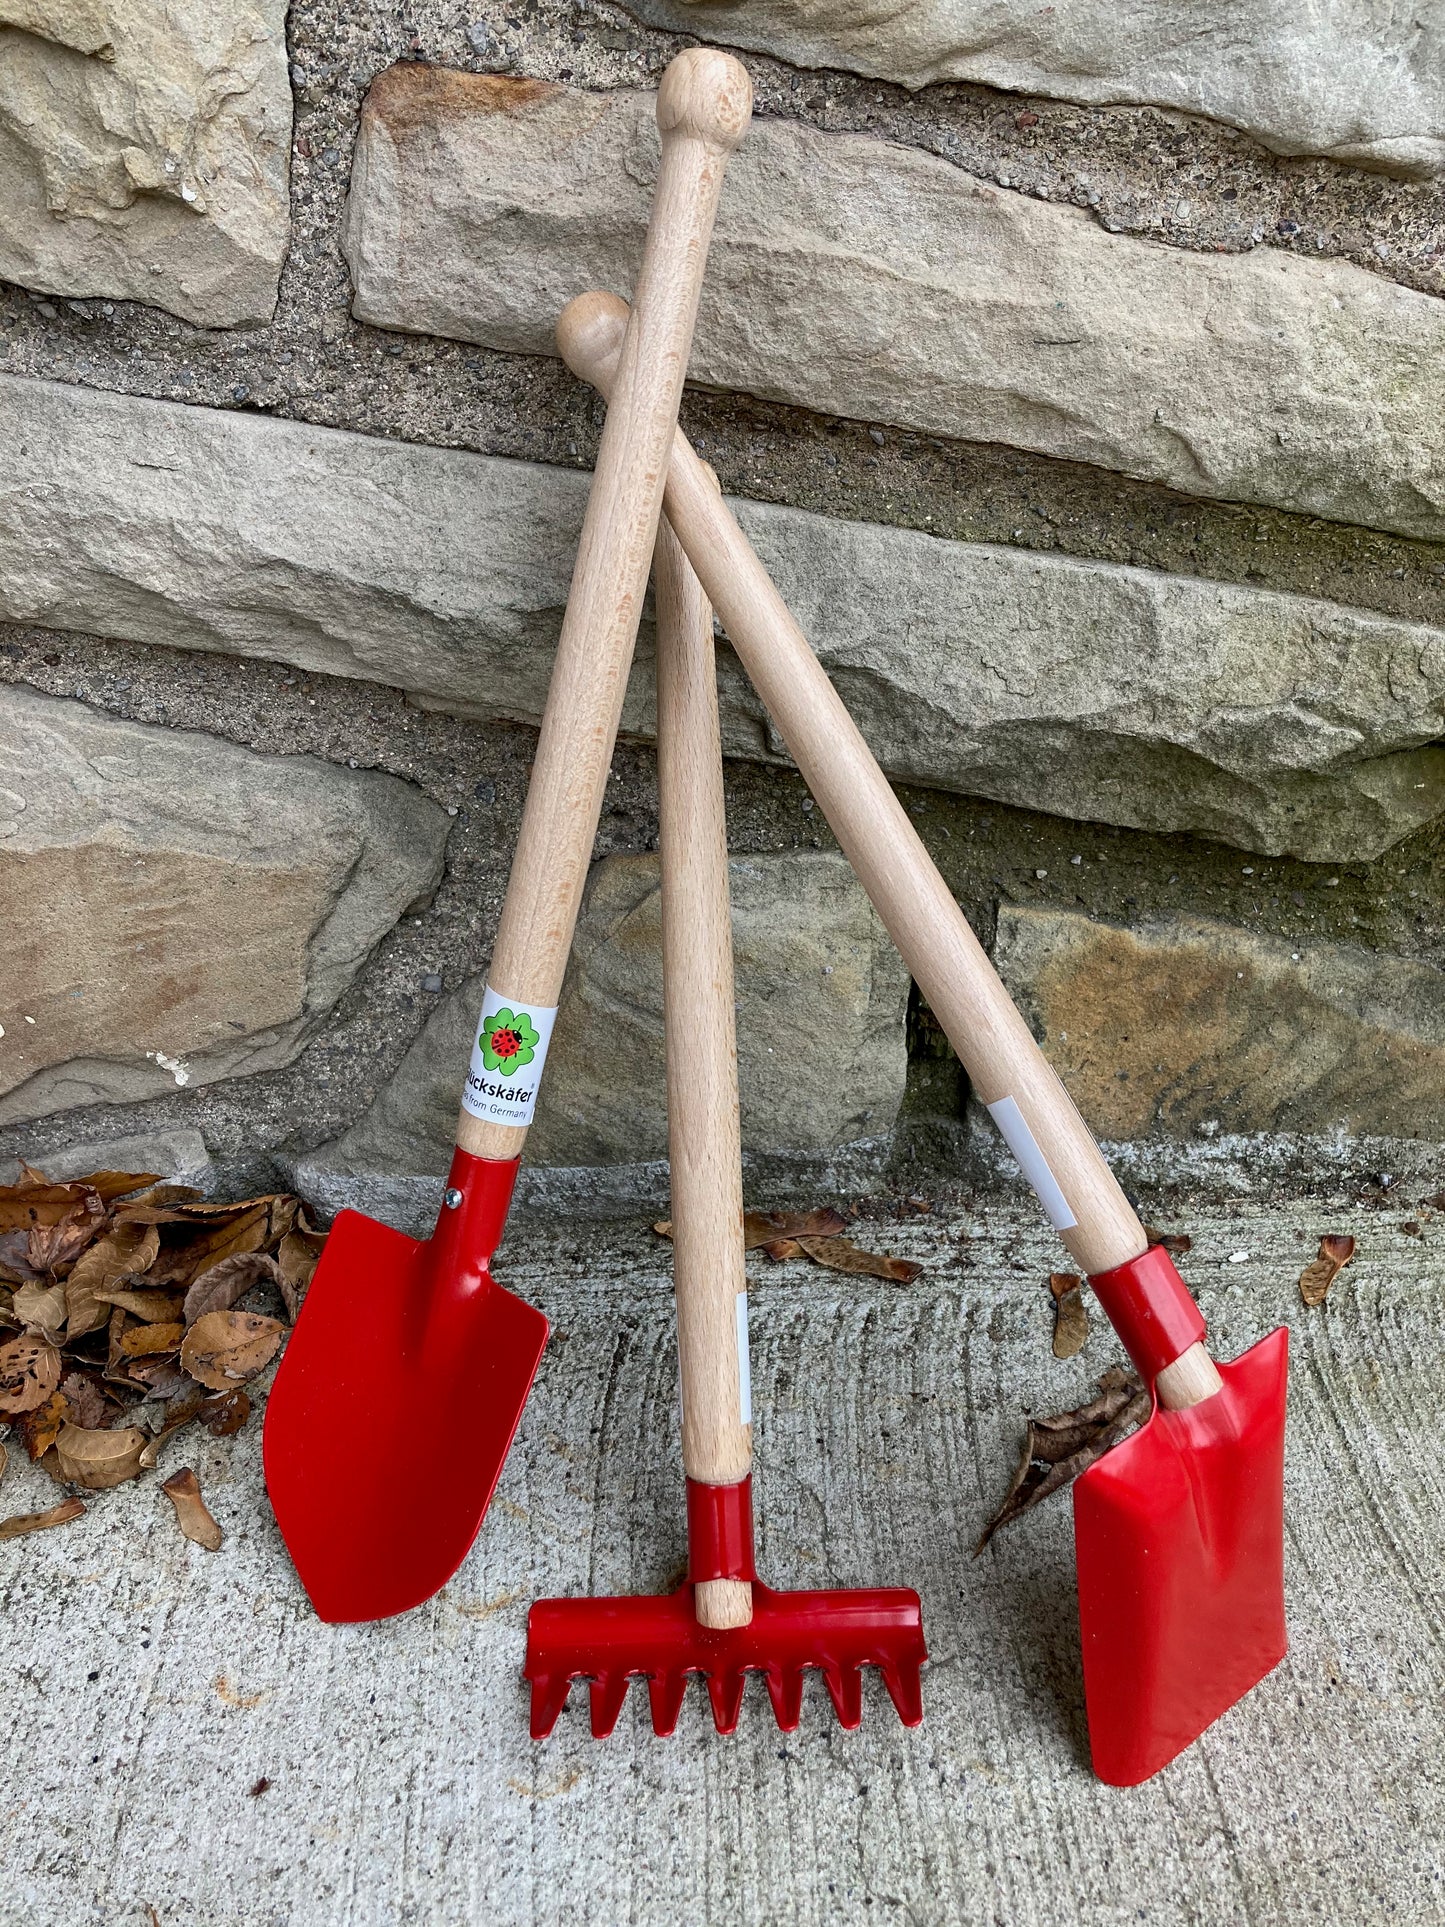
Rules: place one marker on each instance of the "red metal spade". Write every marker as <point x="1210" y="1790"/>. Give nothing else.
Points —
<point x="1180" y="1538"/>
<point x="722" y="1623"/>
<point x="1194" y="1500"/>
<point x="409" y="1367"/>
<point x="397" y="1399"/>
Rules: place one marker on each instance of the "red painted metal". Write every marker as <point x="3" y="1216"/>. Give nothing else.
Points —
<point x="397" y="1399"/>
<point x="1149" y="1306"/>
<point x="1179" y="1541"/>
<point x="658" y="1638"/>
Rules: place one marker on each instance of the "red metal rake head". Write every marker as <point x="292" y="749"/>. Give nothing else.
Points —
<point x="659" y="1638"/>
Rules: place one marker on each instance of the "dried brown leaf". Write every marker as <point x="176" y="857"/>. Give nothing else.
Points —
<point x="841" y="1254"/>
<point x="158" y="1377"/>
<point x="183" y="1489"/>
<point x="225" y="1348"/>
<point x="297" y="1257"/>
<point x="58" y="1515"/>
<point x="145" y="1341"/>
<point x="124" y="1251"/>
<point x="41" y="1308"/>
<point x="1335" y="1252"/>
<point x="190" y="1247"/>
<point x="29" y="1373"/>
<point x="766" y="1227"/>
<point x="99" y="1460"/>
<point x="226" y="1413"/>
<point x="51" y="1249"/>
<point x="1071" y="1320"/>
<point x="40" y="1428"/>
<point x="781" y="1249"/>
<point x="151" y="1307"/>
<point x="1057" y="1449"/>
<point x="37" y="1201"/>
<point x="87" y="1399"/>
<point x="221" y="1284"/>
<point x="1176" y="1243"/>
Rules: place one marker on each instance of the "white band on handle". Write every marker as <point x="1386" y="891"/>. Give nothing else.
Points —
<point x="508" y="1052"/>
<point x="1032" y="1162"/>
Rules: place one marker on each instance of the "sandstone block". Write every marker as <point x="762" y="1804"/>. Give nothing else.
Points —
<point x="821" y="998"/>
<point x="1358" y="84"/>
<point x="178" y="909"/>
<point x="144" y="152"/>
<point x="1117" y="695"/>
<point x="1195" y="1028"/>
<point x="856" y="277"/>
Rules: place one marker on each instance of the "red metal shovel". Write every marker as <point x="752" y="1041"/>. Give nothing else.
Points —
<point x="722" y="1622"/>
<point x="1179" y="1531"/>
<point x="405" y="1378"/>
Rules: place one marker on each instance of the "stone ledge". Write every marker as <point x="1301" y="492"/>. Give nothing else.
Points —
<point x="1302" y="79"/>
<point x="855" y="277"/>
<point x="1090" y="690"/>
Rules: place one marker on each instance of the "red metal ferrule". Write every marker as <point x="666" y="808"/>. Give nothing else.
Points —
<point x="474" y="1210"/>
<point x="1149" y="1305"/>
<point x="720" y="1531"/>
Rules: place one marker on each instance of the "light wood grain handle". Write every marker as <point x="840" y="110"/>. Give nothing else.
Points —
<point x="704" y="1142"/>
<point x="947" y="961"/>
<point x="703" y="108"/>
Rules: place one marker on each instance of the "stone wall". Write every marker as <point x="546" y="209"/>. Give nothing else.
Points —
<point x="1084" y="394"/>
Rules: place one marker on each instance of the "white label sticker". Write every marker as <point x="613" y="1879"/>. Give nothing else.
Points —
<point x="1032" y="1162"/>
<point x="508" y="1052"/>
<point x="745" y="1376"/>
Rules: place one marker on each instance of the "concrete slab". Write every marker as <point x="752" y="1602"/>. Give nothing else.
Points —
<point x="150" y="1686"/>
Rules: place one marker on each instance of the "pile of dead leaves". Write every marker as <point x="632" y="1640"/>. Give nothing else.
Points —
<point x="119" y="1293"/>
<point x="817" y="1235"/>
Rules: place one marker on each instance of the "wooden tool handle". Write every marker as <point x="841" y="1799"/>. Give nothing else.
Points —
<point x="1006" y="1066"/>
<point x="704" y="1142"/>
<point x="703" y="109"/>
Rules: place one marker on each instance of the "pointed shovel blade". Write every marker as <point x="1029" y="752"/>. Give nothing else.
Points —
<point x="392" y="1414"/>
<point x="1179" y="1538"/>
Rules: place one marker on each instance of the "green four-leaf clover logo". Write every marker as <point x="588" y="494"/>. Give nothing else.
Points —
<point x="508" y="1041"/>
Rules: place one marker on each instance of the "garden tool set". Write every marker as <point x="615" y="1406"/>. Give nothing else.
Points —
<point x="1178" y="1530"/>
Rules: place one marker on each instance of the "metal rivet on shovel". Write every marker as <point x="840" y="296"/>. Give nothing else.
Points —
<point x="722" y="1623"/>
<point x="1179" y="1531"/>
<point x="378" y="1511"/>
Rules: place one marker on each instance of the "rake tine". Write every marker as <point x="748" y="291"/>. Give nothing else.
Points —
<point x="725" y="1690"/>
<point x="665" y="1694"/>
<point x="785" y="1690"/>
<point x="549" y="1696"/>
<point x="845" y="1689"/>
<point x="609" y="1694"/>
<point x="905" y="1689"/>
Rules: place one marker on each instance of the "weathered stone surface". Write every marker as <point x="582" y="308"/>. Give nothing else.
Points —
<point x="821" y="995"/>
<point x="1195" y="1027"/>
<point x="1363" y="84"/>
<point x="178" y="909"/>
<point x="1119" y="695"/>
<point x="143" y="152"/>
<point x="179" y="1156"/>
<point x="857" y="277"/>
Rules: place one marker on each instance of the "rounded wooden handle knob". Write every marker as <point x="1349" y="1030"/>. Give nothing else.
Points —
<point x="707" y="96"/>
<point x="589" y="337"/>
